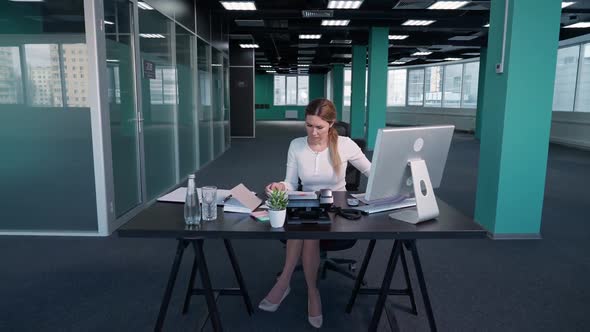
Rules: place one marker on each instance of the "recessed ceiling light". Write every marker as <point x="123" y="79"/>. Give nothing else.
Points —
<point x="471" y="53"/>
<point x="249" y="45"/>
<point x="398" y="37"/>
<point x="271" y="71"/>
<point x="338" y="4"/>
<point x="335" y="22"/>
<point x="398" y="63"/>
<point x="112" y="60"/>
<point x="448" y="5"/>
<point x="265" y="66"/>
<point x="302" y="65"/>
<point x="310" y="36"/>
<point x="108" y="22"/>
<point x="421" y="53"/>
<point x="238" y="5"/>
<point x="343" y="55"/>
<point x="579" y="25"/>
<point x="453" y="59"/>
<point x="486" y="25"/>
<point x="418" y="22"/>
<point x="341" y="41"/>
<point x="567" y="3"/>
<point x="143" y="5"/>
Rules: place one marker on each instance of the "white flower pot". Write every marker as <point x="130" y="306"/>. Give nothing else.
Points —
<point x="277" y="218"/>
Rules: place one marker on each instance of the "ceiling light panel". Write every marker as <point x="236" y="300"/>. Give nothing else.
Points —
<point x="238" y="5"/>
<point x="579" y="25"/>
<point x="249" y="45"/>
<point x="453" y="59"/>
<point x="337" y="4"/>
<point x="421" y="53"/>
<point x="316" y="36"/>
<point x="335" y="22"/>
<point x="398" y="37"/>
<point x="151" y="35"/>
<point x="341" y="41"/>
<point x="418" y="22"/>
<point x="143" y="5"/>
<point x="448" y="5"/>
<point x="567" y="3"/>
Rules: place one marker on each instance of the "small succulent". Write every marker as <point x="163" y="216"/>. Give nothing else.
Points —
<point x="277" y="200"/>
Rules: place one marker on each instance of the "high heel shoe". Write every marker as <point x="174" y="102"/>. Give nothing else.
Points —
<point x="266" y="305"/>
<point x="315" y="321"/>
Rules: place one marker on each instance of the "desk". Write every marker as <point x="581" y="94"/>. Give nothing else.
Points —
<point x="166" y="220"/>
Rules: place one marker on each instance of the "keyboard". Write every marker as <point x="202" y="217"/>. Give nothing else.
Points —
<point x="374" y="208"/>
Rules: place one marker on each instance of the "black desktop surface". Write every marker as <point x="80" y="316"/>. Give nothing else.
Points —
<point x="166" y="220"/>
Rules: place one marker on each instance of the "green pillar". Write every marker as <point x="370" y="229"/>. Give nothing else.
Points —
<point x="338" y="88"/>
<point x="357" y="99"/>
<point x="483" y="55"/>
<point x="517" y="107"/>
<point x="377" y="89"/>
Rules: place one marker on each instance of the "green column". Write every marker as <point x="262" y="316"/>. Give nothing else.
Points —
<point x="338" y="88"/>
<point x="377" y="89"/>
<point x="517" y="109"/>
<point x="357" y="99"/>
<point x="483" y="55"/>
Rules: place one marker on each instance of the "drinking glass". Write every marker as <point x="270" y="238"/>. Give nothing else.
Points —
<point x="209" y="199"/>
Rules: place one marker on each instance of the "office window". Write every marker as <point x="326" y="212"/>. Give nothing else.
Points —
<point x="10" y="76"/>
<point x="303" y="90"/>
<point x="565" y="78"/>
<point x="433" y="86"/>
<point x="279" y="89"/>
<point x="583" y="93"/>
<point x="42" y="60"/>
<point x="291" y="90"/>
<point x="470" y="80"/>
<point x="452" y="86"/>
<point x="396" y="87"/>
<point x="347" y="86"/>
<point x="415" y="87"/>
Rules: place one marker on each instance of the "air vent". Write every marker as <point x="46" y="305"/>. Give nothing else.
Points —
<point x="317" y="13"/>
<point x="249" y="23"/>
<point x="306" y="51"/>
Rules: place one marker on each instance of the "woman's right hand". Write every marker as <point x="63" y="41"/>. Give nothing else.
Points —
<point x="275" y="185"/>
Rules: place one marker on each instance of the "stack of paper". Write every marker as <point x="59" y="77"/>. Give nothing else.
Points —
<point x="294" y="195"/>
<point x="242" y="200"/>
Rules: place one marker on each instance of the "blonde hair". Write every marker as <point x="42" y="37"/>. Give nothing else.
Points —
<point x="326" y="110"/>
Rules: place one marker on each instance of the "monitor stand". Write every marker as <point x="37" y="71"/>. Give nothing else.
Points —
<point x="426" y="207"/>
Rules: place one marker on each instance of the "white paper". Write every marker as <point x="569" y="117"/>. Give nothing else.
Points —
<point x="302" y="195"/>
<point x="179" y="195"/>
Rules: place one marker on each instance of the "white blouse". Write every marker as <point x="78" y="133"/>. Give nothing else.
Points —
<point x="315" y="168"/>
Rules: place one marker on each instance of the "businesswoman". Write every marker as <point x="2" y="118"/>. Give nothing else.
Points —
<point x="319" y="160"/>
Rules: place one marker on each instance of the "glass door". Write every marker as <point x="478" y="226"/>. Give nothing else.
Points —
<point x="123" y="110"/>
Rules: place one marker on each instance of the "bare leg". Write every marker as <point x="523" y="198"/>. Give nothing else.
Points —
<point x="292" y="255"/>
<point x="311" y="262"/>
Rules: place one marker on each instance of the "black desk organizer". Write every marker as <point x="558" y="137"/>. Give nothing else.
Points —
<point x="308" y="215"/>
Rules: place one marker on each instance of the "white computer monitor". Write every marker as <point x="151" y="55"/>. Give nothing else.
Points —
<point x="395" y="148"/>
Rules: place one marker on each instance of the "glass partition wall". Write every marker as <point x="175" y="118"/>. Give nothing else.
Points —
<point x="104" y="106"/>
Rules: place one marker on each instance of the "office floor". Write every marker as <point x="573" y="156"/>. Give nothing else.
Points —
<point x="114" y="284"/>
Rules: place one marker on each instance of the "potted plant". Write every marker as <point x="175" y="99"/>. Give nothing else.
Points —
<point x="277" y="207"/>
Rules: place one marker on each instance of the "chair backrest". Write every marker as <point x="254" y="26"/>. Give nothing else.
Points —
<point x="353" y="175"/>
